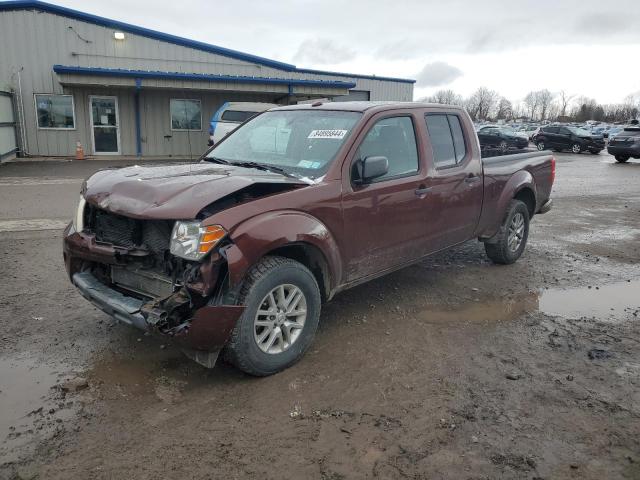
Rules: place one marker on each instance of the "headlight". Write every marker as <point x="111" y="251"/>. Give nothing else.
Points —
<point x="78" y="219"/>
<point x="192" y="241"/>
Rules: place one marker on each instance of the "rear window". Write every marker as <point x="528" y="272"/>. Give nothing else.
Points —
<point x="236" y="116"/>
<point x="447" y="139"/>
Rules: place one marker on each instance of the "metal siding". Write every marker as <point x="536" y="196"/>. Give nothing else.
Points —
<point x="37" y="40"/>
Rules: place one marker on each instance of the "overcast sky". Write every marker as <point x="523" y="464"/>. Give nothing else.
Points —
<point x="587" y="47"/>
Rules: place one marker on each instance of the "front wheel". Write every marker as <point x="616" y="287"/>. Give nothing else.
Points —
<point x="282" y="312"/>
<point x="509" y="243"/>
<point x="622" y="158"/>
<point x="540" y="145"/>
<point x="576" y="148"/>
<point x="503" y="146"/>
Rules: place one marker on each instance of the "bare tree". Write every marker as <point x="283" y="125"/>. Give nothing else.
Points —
<point x="445" y="97"/>
<point x="545" y="97"/>
<point x="531" y="102"/>
<point x="505" y="110"/>
<point x="565" y="99"/>
<point x="481" y="103"/>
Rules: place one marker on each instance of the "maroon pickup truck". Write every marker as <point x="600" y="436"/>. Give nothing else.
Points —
<point x="238" y="252"/>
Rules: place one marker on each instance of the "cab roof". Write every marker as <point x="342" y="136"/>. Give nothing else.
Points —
<point x="364" y="106"/>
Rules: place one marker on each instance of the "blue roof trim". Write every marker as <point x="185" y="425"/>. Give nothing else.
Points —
<point x="203" y="77"/>
<point x="174" y="39"/>
<point x="354" y="75"/>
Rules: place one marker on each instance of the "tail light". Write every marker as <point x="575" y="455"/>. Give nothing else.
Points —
<point x="553" y="169"/>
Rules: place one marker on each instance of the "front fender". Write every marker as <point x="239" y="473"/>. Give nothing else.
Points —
<point x="256" y="237"/>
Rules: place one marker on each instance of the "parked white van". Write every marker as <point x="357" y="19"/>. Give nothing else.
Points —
<point x="232" y="114"/>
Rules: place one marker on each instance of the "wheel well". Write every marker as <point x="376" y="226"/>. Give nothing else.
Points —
<point x="527" y="196"/>
<point x="312" y="258"/>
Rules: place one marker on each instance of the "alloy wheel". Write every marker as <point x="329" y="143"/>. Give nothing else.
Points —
<point x="280" y="319"/>
<point x="516" y="232"/>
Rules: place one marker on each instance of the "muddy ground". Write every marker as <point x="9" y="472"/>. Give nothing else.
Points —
<point x="451" y="369"/>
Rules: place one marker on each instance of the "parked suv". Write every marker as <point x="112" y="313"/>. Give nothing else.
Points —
<point x="501" y="138"/>
<point x="561" y="137"/>
<point x="625" y="144"/>
<point x="232" y="114"/>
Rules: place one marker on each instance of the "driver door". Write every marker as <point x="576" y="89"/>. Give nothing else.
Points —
<point x="384" y="220"/>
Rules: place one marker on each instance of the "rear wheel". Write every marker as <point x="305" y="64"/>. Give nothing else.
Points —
<point x="503" y="146"/>
<point x="540" y="145"/>
<point x="622" y="158"/>
<point x="510" y="241"/>
<point x="576" y="148"/>
<point x="283" y="310"/>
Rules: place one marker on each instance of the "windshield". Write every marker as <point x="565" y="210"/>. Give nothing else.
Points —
<point x="580" y="131"/>
<point x="300" y="142"/>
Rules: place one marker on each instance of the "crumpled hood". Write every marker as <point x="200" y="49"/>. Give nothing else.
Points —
<point x="175" y="191"/>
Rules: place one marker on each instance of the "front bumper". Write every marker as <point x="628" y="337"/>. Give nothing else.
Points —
<point x="632" y="150"/>
<point x="206" y="332"/>
<point x="201" y="332"/>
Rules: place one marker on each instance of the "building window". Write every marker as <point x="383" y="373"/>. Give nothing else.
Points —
<point x="55" y="111"/>
<point x="185" y="114"/>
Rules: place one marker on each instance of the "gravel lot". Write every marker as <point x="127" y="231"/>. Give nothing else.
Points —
<point x="450" y="369"/>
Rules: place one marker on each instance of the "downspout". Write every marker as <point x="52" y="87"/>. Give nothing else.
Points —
<point x="136" y="106"/>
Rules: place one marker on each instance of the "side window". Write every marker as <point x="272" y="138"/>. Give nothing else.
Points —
<point x="550" y="130"/>
<point x="444" y="152"/>
<point x="458" y="137"/>
<point x="565" y="131"/>
<point x="395" y="139"/>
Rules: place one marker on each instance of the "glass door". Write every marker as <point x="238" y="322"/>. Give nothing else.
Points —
<point x="104" y="125"/>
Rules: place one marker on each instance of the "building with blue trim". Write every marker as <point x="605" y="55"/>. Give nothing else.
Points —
<point x="121" y="89"/>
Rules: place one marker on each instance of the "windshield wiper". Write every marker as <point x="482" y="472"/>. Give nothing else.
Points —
<point x="217" y="160"/>
<point x="266" y="167"/>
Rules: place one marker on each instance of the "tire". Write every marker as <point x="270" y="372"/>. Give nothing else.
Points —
<point x="540" y="145"/>
<point x="499" y="250"/>
<point x="245" y="349"/>
<point x="622" y="158"/>
<point x="576" y="148"/>
<point x="503" y="146"/>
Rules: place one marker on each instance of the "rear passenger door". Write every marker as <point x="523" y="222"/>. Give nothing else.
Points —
<point x="454" y="178"/>
<point x="564" y="138"/>
<point x="551" y="135"/>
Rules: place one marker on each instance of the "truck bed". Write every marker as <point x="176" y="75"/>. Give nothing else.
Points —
<point x="500" y="180"/>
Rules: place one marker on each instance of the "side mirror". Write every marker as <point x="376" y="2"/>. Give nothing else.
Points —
<point x="370" y="168"/>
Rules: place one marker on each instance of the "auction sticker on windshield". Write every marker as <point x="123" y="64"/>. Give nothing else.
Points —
<point x="338" y="134"/>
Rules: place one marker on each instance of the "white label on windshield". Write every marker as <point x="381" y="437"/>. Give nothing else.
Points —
<point x="337" y="134"/>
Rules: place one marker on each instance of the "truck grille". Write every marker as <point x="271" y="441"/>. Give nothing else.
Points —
<point x="152" y="235"/>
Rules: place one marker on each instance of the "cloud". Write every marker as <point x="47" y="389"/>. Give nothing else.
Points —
<point x="437" y="73"/>
<point x="323" y="51"/>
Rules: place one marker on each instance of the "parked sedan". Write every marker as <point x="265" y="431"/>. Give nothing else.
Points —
<point x="501" y="138"/>
<point x="625" y="144"/>
<point x="560" y="137"/>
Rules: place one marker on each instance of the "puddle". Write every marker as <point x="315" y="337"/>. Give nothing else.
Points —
<point x="603" y="303"/>
<point x="491" y="311"/>
<point x="29" y="409"/>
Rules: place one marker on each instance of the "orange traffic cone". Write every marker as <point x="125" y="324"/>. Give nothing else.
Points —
<point x="79" y="151"/>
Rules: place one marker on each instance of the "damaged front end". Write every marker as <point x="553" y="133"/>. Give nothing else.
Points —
<point x="125" y="267"/>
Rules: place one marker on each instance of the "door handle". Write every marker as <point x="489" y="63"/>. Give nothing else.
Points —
<point x="422" y="190"/>
<point x="472" y="179"/>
